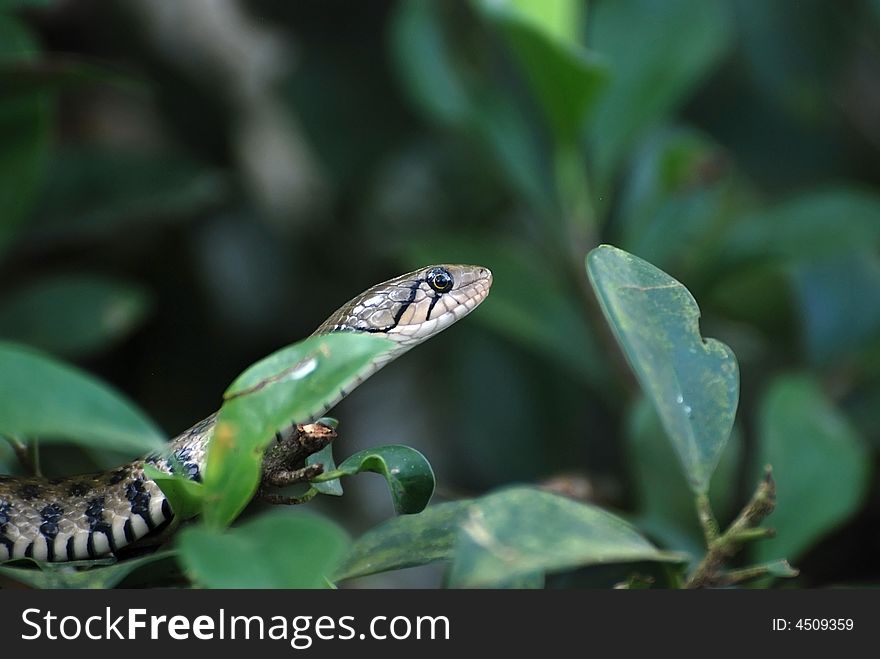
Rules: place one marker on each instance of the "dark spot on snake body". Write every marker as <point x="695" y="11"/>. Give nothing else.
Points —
<point x="191" y="469"/>
<point x="49" y="530"/>
<point x="117" y="476"/>
<point x="71" y="551"/>
<point x="29" y="491"/>
<point x="139" y="498"/>
<point x="79" y="489"/>
<point x="95" y="512"/>
<point x="4" y="514"/>
<point x="56" y="481"/>
<point x="6" y="542"/>
<point x="153" y="458"/>
<point x="52" y="513"/>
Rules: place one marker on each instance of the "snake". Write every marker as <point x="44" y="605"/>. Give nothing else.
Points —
<point x="93" y="516"/>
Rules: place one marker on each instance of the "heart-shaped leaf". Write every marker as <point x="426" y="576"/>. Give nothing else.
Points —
<point x="692" y="382"/>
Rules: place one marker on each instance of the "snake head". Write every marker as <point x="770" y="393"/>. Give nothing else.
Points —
<point x="413" y="307"/>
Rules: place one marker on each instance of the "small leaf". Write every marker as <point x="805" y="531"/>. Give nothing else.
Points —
<point x="521" y="531"/>
<point x="72" y="315"/>
<point x="406" y="541"/>
<point x="692" y="382"/>
<point x="408" y="473"/>
<point x="325" y="457"/>
<point x="820" y="464"/>
<point x="294" y="385"/>
<point x="276" y="550"/>
<point x="46" y="399"/>
<point x="66" y="575"/>
<point x="185" y="496"/>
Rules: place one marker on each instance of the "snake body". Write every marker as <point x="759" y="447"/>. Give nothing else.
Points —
<point x="93" y="515"/>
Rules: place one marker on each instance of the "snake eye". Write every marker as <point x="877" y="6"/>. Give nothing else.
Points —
<point x="440" y="280"/>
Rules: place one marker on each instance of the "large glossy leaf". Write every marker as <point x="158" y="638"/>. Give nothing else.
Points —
<point x="405" y="541"/>
<point x="72" y="315"/>
<point x="692" y="382"/>
<point x="294" y="385"/>
<point x="821" y="465"/>
<point x="408" y="474"/>
<point x="24" y="133"/>
<point x="66" y="575"/>
<point x="521" y="531"/>
<point x="44" y="398"/>
<point x="658" y="52"/>
<point x="276" y="550"/>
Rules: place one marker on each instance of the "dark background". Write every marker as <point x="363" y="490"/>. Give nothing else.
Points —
<point x="187" y="186"/>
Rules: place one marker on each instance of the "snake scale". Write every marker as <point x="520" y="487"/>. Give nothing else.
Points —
<point x="94" y="515"/>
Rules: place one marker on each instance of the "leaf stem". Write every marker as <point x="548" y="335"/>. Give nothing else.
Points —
<point x="745" y="528"/>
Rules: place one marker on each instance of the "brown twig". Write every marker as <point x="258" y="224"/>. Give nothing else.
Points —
<point x="745" y="528"/>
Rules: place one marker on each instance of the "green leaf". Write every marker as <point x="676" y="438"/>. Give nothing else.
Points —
<point x="67" y="575"/>
<point x="325" y="457"/>
<point x="408" y="474"/>
<point x="46" y="399"/>
<point x="24" y="132"/>
<point x="73" y="315"/>
<point x="820" y="464"/>
<point x="561" y="20"/>
<point x="275" y="550"/>
<point x="658" y="52"/>
<point x="406" y="541"/>
<point x="521" y="531"/>
<point x="185" y="496"/>
<point x="294" y="385"/>
<point x="693" y="383"/>
<point x="565" y="78"/>
<point x="664" y="501"/>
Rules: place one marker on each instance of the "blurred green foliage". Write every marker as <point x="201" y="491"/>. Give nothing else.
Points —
<point x="169" y="215"/>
